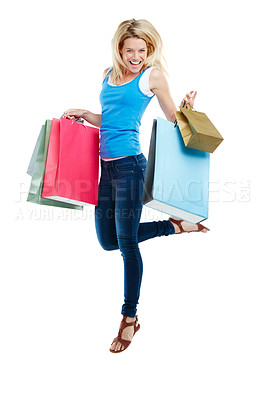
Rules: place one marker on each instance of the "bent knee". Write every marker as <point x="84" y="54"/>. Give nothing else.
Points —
<point x="108" y="245"/>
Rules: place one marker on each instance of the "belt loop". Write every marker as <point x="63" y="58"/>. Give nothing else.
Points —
<point x="137" y="161"/>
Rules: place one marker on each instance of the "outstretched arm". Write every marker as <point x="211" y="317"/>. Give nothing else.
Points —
<point x="159" y="86"/>
<point x="91" y="118"/>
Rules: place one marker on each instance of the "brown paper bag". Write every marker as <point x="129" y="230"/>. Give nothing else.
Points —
<point x="197" y="130"/>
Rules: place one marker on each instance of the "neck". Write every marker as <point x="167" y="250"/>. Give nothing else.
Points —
<point x="129" y="74"/>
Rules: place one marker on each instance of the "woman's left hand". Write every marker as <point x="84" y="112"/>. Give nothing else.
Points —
<point x="188" y="100"/>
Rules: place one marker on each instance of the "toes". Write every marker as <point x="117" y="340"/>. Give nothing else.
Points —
<point x="116" y="346"/>
<point x="120" y="346"/>
<point x="112" y="347"/>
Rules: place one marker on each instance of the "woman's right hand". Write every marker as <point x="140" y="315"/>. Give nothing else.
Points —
<point x="74" y="113"/>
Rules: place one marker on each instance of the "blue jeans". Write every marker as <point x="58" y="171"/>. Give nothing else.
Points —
<point x="117" y="220"/>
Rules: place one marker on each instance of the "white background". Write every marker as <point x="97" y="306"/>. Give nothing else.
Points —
<point x="202" y="303"/>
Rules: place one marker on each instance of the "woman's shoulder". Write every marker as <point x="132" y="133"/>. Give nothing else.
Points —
<point x="157" y="78"/>
<point x="156" y="73"/>
<point x="105" y="71"/>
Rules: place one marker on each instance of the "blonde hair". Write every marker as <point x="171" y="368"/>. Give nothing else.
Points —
<point x="141" y="29"/>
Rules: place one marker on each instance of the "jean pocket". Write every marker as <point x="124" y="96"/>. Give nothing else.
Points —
<point x="126" y="167"/>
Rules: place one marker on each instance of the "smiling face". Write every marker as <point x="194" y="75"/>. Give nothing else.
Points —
<point x="134" y="53"/>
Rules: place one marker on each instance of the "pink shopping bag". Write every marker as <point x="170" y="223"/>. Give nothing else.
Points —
<point x="72" y="166"/>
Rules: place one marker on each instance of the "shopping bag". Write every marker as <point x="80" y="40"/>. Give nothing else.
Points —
<point x="197" y="130"/>
<point x="36" y="148"/>
<point x="37" y="170"/>
<point x="35" y="152"/>
<point x="72" y="167"/>
<point x="177" y="177"/>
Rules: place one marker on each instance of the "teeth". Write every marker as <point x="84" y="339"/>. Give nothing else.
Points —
<point x="135" y="63"/>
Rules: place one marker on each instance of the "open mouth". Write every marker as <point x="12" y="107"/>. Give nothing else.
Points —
<point x="135" y="63"/>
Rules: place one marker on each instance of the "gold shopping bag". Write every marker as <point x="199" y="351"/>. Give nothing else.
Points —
<point x="197" y="131"/>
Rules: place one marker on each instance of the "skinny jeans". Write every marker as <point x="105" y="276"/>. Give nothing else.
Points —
<point x="117" y="220"/>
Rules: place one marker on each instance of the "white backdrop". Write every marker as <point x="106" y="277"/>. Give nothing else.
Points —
<point x="202" y="303"/>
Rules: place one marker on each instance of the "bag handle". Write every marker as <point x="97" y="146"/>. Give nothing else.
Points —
<point x="79" y="120"/>
<point x="185" y="102"/>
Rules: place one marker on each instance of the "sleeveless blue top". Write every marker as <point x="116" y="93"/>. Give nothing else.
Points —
<point x="122" y="110"/>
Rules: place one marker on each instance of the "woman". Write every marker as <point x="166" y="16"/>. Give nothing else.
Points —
<point x="137" y="75"/>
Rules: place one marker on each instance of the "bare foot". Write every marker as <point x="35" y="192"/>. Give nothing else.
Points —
<point x="127" y="334"/>
<point x="187" y="226"/>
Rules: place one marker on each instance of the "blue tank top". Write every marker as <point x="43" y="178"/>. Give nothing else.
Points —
<point x="122" y="110"/>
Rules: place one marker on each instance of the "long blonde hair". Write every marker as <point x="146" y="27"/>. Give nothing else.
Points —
<point x="141" y="29"/>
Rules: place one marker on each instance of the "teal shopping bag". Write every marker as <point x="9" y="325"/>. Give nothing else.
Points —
<point x="177" y="177"/>
<point x="34" y="154"/>
<point x="37" y="169"/>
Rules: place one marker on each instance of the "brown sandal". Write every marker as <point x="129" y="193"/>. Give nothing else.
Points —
<point x="179" y="221"/>
<point x="119" y="339"/>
